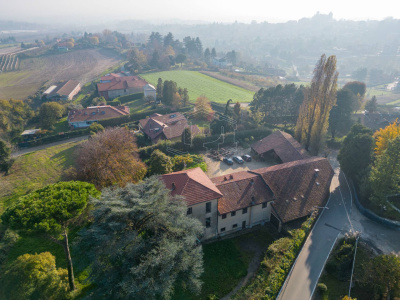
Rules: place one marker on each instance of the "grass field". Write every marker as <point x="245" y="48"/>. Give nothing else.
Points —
<point x="33" y="73"/>
<point x="35" y="170"/>
<point x="200" y="84"/>
<point x="226" y="263"/>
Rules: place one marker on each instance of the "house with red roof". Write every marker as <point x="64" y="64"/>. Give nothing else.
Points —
<point x="278" y="194"/>
<point x="80" y="118"/>
<point x="166" y="127"/>
<point x="114" y="85"/>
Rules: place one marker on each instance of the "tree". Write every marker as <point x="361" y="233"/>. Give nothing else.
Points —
<point x="385" y="174"/>
<point x="180" y="59"/>
<point x="340" y="115"/>
<point x="203" y="108"/>
<point x="14" y="114"/>
<point x="186" y="137"/>
<point x="318" y="101"/>
<point x="5" y="157"/>
<point x="356" y="153"/>
<point x="372" y="105"/>
<point x="360" y="74"/>
<point x="94" y="40"/>
<point x="49" y="113"/>
<point x="34" y="277"/>
<point x="110" y="157"/>
<point x="213" y="53"/>
<point x="155" y="59"/>
<point x="207" y="55"/>
<point x="384" y="135"/>
<point x="358" y="89"/>
<point x="168" y="40"/>
<point x="95" y="128"/>
<point x="383" y="274"/>
<point x="159" y="163"/>
<point x="169" y="90"/>
<point x="50" y="211"/>
<point x="159" y="88"/>
<point x="141" y="243"/>
<point x="185" y="97"/>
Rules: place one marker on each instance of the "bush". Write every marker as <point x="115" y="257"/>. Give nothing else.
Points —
<point x="129" y="98"/>
<point x="322" y="288"/>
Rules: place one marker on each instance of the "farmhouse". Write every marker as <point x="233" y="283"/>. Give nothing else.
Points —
<point x="62" y="91"/>
<point x="277" y="194"/>
<point x="149" y="91"/>
<point x="166" y="127"/>
<point x="117" y="84"/>
<point x="280" y="146"/>
<point x="85" y="117"/>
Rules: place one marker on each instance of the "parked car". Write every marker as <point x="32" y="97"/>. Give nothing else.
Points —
<point x="246" y="157"/>
<point x="228" y="161"/>
<point x="238" y="159"/>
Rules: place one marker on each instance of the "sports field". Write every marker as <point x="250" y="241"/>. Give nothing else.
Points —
<point x="200" y="84"/>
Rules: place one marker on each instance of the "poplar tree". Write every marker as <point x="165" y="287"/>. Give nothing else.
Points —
<point x="318" y="101"/>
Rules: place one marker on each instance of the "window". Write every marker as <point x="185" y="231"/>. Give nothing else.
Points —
<point x="222" y="229"/>
<point x="233" y="213"/>
<point x="189" y="211"/>
<point x="244" y="210"/>
<point x="224" y="216"/>
<point x="264" y="205"/>
<point x="208" y="222"/>
<point x="208" y="207"/>
<point x="234" y="226"/>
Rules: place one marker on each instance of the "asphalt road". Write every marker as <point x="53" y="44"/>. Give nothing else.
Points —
<point x="23" y="151"/>
<point x="303" y="278"/>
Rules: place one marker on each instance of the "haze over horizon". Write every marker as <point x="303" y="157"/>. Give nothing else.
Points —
<point x="101" y="11"/>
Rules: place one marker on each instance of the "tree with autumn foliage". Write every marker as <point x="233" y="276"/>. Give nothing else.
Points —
<point x="314" y="112"/>
<point x="110" y="157"/>
<point x="384" y="135"/>
<point x="203" y="108"/>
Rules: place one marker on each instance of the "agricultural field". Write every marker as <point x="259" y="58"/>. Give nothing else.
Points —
<point x="33" y="73"/>
<point x="201" y="84"/>
<point x="9" y="62"/>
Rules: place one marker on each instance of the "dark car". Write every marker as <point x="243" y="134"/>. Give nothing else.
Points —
<point x="228" y="161"/>
<point x="246" y="157"/>
<point x="238" y="159"/>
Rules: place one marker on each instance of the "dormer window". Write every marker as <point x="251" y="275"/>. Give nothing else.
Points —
<point x="173" y="186"/>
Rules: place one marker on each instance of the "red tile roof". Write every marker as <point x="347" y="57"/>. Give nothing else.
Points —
<point x="121" y="83"/>
<point x="166" y="126"/>
<point x="193" y="184"/>
<point x="240" y="190"/>
<point x="95" y="113"/>
<point x="283" y="144"/>
<point x="298" y="186"/>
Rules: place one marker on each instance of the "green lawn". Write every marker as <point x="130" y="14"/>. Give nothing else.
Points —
<point x="200" y="84"/>
<point x="138" y="106"/>
<point x="35" y="170"/>
<point x="226" y="263"/>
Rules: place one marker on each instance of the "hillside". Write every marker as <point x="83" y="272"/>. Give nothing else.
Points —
<point x="32" y="73"/>
<point x="200" y="84"/>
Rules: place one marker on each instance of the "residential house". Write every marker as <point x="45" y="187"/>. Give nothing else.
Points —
<point x="62" y="91"/>
<point x="166" y="127"/>
<point x="117" y="84"/>
<point x="150" y="91"/>
<point x="278" y="194"/>
<point x="81" y="118"/>
<point x="201" y="197"/>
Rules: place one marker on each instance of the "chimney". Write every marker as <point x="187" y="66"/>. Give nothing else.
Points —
<point x="173" y="186"/>
<point x="231" y="176"/>
<point x="252" y="181"/>
<point x="225" y="179"/>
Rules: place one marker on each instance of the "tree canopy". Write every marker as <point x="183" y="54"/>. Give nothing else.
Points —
<point x="34" y="277"/>
<point x="141" y="243"/>
<point x="159" y="163"/>
<point x="318" y="101"/>
<point x="356" y="153"/>
<point x="49" y="113"/>
<point x="110" y="157"/>
<point x="50" y="210"/>
<point x="14" y="114"/>
<point x="5" y="157"/>
<point x="384" y="135"/>
<point x="203" y="109"/>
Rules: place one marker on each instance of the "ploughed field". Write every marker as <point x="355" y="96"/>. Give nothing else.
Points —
<point x="33" y="73"/>
<point x="201" y="84"/>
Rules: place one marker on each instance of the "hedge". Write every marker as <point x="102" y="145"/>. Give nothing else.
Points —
<point x="129" y="98"/>
<point x="55" y="138"/>
<point x="276" y="265"/>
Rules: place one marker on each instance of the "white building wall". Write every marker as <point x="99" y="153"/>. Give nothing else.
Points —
<point x="117" y="93"/>
<point x="199" y="212"/>
<point x="81" y="124"/>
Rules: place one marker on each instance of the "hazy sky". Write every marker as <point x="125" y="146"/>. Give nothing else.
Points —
<point x="206" y="10"/>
